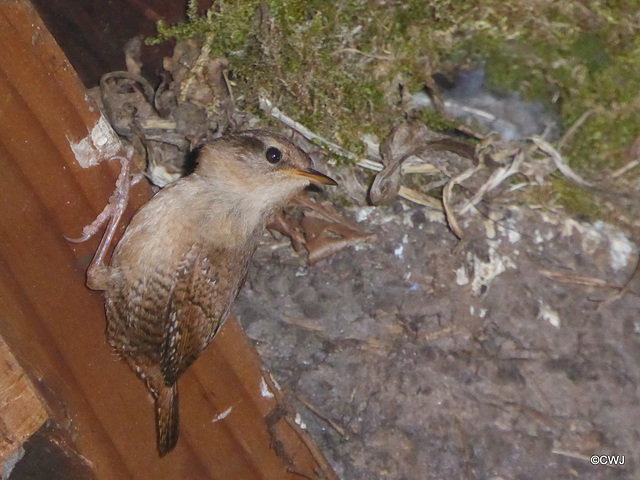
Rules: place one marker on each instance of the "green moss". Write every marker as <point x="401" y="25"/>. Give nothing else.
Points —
<point x="577" y="200"/>
<point x="336" y="66"/>
<point x="437" y="121"/>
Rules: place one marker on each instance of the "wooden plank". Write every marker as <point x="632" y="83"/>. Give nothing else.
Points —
<point x="21" y="410"/>
<point x="56" y="326"/>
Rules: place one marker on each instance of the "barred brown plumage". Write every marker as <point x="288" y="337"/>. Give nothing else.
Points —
<point x="182" y="260"/>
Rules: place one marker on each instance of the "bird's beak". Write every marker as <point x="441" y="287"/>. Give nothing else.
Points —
<point x="313" y="176"/>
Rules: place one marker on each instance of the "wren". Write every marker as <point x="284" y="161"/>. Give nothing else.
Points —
<point x="182" y="260"/>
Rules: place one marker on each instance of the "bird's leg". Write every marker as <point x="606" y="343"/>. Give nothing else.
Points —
<point x="97" y="272"/>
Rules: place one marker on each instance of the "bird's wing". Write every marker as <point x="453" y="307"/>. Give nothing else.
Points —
<point x="207" y="283"/>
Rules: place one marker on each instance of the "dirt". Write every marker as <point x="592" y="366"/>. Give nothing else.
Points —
<point x="512" y="354"/>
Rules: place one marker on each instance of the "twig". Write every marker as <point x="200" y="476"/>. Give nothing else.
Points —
<point x="267" y="106"/>
<point x="332" y="423"/>
<point x="518" y="186"/>
<point x="572" y="130"/>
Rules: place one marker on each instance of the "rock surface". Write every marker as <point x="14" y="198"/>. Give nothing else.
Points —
<point x="414" y="356"/>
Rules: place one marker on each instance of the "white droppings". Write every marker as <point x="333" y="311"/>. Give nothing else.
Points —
<point x="364" y="214"/>
<point x="482" y="313"/>
<point x="435" y="216"/>
<point x="568" y="226"/>
<point x="472" y="309"/>
<point x="222" y="415"/>
<point x="485" y="272"/>
<point x="264" y="389"/>
<point x="461" y="276"/>
<point x="299" y="421"/>
<point x="398" y="252"/>
<point x="591" y="240"/>
<point x="547" y="313"/>
<point x="513" y="235"/>
<point x="620" y="247"/>
<point x="537" y="237"/>
<point x="405" y="239"/>
<point x="490" y="229"/>
<point x="102" y="142"/>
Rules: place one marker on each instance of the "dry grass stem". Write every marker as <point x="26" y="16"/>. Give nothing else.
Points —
<point x="577" y="279"/>
<point x="572" y="130"/>
<point x="332" y="423"/>
<point x="496" y="178"/>
<point x="560" y="162"/>
<point x="621" y="171"/>
<point x="438" y="333"/>
<point x="570" y="454"/>
<point x="364" y="54"/>
<point x="267" y="106"/>
<point x="420" y="198"/>
<point x="447" y="196"/>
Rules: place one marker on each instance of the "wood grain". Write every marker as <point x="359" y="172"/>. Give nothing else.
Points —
<point x="56" y="326"/>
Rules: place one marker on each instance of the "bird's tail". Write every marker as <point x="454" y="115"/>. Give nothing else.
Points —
<point x="167" y="418"/>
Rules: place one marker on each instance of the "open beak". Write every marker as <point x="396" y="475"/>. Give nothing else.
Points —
<point x="314" y="176"/>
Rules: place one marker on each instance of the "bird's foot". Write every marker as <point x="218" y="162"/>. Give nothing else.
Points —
<point x="112" y="213"/>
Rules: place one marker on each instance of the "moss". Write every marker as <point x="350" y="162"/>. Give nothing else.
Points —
<point x="579" y="202"/>
<point x="437" y="121"/>
<point x="336" y="66"/>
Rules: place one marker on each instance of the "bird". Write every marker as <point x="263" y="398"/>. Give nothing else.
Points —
<point x="183" y="258"/>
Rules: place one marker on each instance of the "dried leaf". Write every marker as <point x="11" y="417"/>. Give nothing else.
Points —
<point x="321" y="230"/>
<point x="411" y="140"/>
<point x="405" y="140"/>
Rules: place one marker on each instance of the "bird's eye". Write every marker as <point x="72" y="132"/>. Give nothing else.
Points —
<point x="273" y="155"/>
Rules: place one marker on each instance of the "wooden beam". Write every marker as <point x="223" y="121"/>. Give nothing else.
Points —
<point x="56" y="326"/>
<point x="22" y="412"/>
